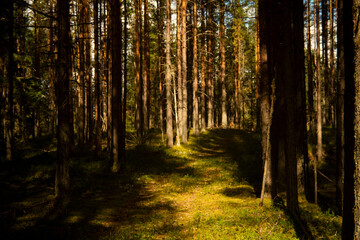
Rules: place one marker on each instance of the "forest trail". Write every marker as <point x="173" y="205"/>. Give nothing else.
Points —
<point x="206" y="189"/>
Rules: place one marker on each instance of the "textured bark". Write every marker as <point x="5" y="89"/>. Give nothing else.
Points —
<point x="98" y="118"/>
<point x="179" y="71"/>
<point x="210" y="75"/>
<point x="81" y="77"/>
<point x="203" y="68"/>
<point x="116" y="104"/>
<point x="265" y="101"/>
<point x="340" y="140"/>
<point x="224" y="121"/>
<point x="332" y="76"/>
<point x="325" y="37"/>
<point x="146" y="94"/>
<point x="63" y="78"/>
<point x="139" y="113"/>
<point x="310" y="61"/>
<point x="123" y="123"/>
<point x="184" y="122"/>
<point x="169" y="117"/>
<point x="318" y="101"/>
<point x="356" y="39"/>
<point x="195" y="74"/>
<point x="88" y="71"/>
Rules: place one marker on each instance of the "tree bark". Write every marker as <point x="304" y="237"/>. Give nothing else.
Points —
<point x="179" y="70"/>
<point x="146" y="94"/>
<point x="195" y="72"/>
<point x="98" y="121"/>
<point x="203" y="68"/>
<point x="139" y="113"/>
<point x="318" y="101"/>
<point x="169" y="117"/>
<point x="88" y="71"/>
<point x="184" y="122"/>
<point x="224" y="121"/>
<point x="210" y="77"/>
<point x="63" y="78"/>
<point x="340" y="140"/>
<point x="116" y="104"/>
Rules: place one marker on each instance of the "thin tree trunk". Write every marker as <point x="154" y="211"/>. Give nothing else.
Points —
<point x="210" y="78"/>
<point x="169" y="118"/>
<point x="123" y="132"/>
<point x="203" y="68"/>
<point x="183" y="123"/>
<point x="324" y="15"/>
<point x="98" y="121"/>
<point x="224" y="121"/>
<point x="9" y="120"/>
<point x="81" y="80"/>
<point x="139" y="114"/>
<point x="63" y="78"/>
<point x="88" y="72"/>
<point x="332" y="66"/>
<point x="146" y="94"/>
<point x="310" y="72"/>
<point x="195" y="72"/>
<point x="179" y="70"/>
<point x="52" y="99"/>
<point x="318" y="101"/>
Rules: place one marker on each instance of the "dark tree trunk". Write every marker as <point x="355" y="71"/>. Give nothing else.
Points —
<point x="63" y="78"/>
<point x="123" y="132"/>
<point x="146" y="94"/>
<point x="340" y="141"/>
<point x="116" y="104"/>
<point x="9" y="119"/>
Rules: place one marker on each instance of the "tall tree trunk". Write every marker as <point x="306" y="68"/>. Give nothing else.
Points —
<point x="351" y="208"/>
<point x="88" y="71"/>
<point x="265" y="92"/>
<point x="356" y="40"/>
<point x="116" y="104"/>
<point x="224" y="121"/>
<point x="318" y="101"/>
<point x="146" y="94"/>
<point x="203" y="68"/>
<point x="257" y="69"/>
<point x="123" y="132"/>
<point x="63" y="78"/>
<point x="9" y="119"/>
<point x="169" y="118"/>
<point x="324" y="15"/>
<point x="98" y="121"/>
<point x="332" y="66"/>
<point x="81" y="80"/>
<point x="139" y="113"/>
<point x="210" y="78"/>
<point x="310" y="61"/>
<point x="179" y="70"/>
<point x="340" y="140"/>
<point x="184" y="117"/>
<point x="52" y="99"/>
<point x="195" y="72"/>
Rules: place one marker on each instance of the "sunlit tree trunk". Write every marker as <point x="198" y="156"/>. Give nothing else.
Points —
<point x="195" y="73"/>
<point x="169" y="118"/>
<point x="179" y="70"/>
<point x="146" y="94"/>
<point x="139" y="113"/>
<point x="184" y="112"/>
<point x="203" y="68"/>
<point x="88" y="73"/>
<point x="81" y="76"/>
<point x="123" y="127"/>
<point x="224" y="121"/>
<point x="210" y="77"/>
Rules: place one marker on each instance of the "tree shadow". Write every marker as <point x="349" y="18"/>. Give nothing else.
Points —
<point x="100" y="203"/>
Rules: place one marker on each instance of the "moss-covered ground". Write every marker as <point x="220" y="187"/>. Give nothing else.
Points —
<point x="206" y="189"/>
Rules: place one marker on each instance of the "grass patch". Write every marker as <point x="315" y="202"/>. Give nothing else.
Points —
<point x="205" y="189"/>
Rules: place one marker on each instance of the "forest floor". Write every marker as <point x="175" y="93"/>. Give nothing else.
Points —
<point x="206" y="189"/>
